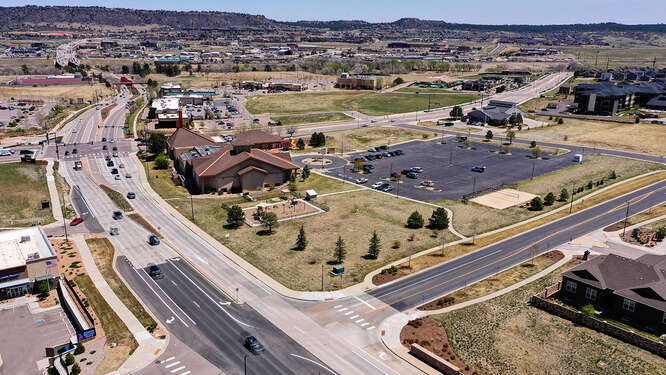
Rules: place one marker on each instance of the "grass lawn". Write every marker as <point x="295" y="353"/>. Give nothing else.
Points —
<point x="160" y="179"/>
<point x="352" y="215"/>
<point x="117" y="198"/>
<point x="645" y="138"/>
<point x="507" y="336"/>
<point x="114" y="328"/>
<point x="63" y="193"/>
<point x="219" y="79"/>
<point x="500" y="281"/>
<point x="364" y="138"/>
<point x="21" y="193"/>
<point x="312" y="118"/>
<point x="594" y="168"/>
<point x="103" y="253"/>
<point x="366" y="102"/>
<point x="540" y="103"/>
<point x="427" y="90"/>
<point x="87" y="92"/>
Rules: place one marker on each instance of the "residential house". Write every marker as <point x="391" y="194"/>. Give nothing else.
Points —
<point x="629" y="290"/>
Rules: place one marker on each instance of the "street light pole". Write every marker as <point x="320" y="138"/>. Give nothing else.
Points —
<point x="626" y="217"/>
<point x="572" y="197"/>
<point x="192" y="206"/>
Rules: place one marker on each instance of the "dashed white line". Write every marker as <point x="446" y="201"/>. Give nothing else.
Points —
<point x="360" y="320"/>
<point x="364" y="324"/>
<point x="342" y="309"/>
<point x="337" y="307"/>
<point x="371" y="327"/>
<point x="186" y="372"/>
<point x="349" y="312"/>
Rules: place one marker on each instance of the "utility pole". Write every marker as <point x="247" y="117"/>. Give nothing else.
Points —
<point x="573" y="192"/>
<point x="626" y="217"/>
<point x="192" y="206"/>
<point x="322" y="277"/>
<point x="64" y="221"/>
<point x="533" y="164"/>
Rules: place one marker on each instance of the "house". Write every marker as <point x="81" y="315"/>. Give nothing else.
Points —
<point x="629" y="290"/>
<point x="248" y="163"/>
<point x="497" y="113"/>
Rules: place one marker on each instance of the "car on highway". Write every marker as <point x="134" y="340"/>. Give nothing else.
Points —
<point x="479" y="168"/>
<point x="117" y="177"/>
<point x="103" y="139"/>
<point x="66" y="153"/>
<point x="105" y="147"/>
<point x="76" y="222"/>
<point x="253" y="344"/>
<point x="114" y="171"/>
<point x="117" y="215"/>
<point x="115" y="154"/>
<point x="155" y="272"/>
<point x="153" y="240"/>
<point x="121" y="165"/>
<point x="74" y="130"/>
<point x="364" y="125"/>
<point x="114" y="148"/>
<point x="131" y="195"/>
<point x="114" y="231"/>
<point x="75" y="151"/>
<point x="111" y="140"/>
<point x="127" y="175"/>
<point x="109" y="163"/>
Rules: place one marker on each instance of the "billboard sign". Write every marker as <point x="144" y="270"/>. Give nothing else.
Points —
<point x="86" y="335"/>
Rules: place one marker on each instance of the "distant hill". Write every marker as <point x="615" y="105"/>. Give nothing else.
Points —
<point x="16" y="16"/>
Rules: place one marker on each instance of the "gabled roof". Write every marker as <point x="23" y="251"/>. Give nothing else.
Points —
<point x="251" y="168"/>
<point x="183" y="137"/>
<point x="214" y="164"/>
<point x="642" y="280"/>
<point x="253" y="137"/>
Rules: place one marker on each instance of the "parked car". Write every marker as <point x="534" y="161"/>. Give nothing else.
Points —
<point x="153" y="240"/>
<point x="377" y="185"/>
<point x="479" y="168"/>
<point x="399" y="152"/>
<point x="412" y="175"/>
<point x="76" y="222"/>
<point x="372" y="149"/>
<point x="416" y="169"/>
<point x="117" y="215"/>
<point x="361" y="180"/>
<point x="155" y="272"/>
<point x="387" y="188"/>
<point x="253" y="344"/>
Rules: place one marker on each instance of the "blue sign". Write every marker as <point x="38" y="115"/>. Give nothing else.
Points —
<point x="85" y="335"/>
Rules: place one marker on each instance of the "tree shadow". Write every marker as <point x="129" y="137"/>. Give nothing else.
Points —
<point x="265" y="232"/>
<point x="368" y="257"/>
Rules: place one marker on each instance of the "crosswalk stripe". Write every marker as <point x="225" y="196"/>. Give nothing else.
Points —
<point x="369" y="328"/>
<point x="172" y="364"/>
<point x="168" y="359"/>
<point x="353" y="317"/>
<point x="177" y="369"/>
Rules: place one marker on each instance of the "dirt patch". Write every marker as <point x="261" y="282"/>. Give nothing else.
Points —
<point x="642" y="236"/>
<point x="144" y="223"/>
<point x="69" y="260"/>
<point x="284" y="209"/>
<point x="105" y="111"/>
<point x="430" y="334"/>
<point x="384" y="277"/>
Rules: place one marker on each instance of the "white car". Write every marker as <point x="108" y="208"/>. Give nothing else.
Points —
<point x="74" y="130"/>
<point x="361" y="180"/>
<point x="377" y="184"/>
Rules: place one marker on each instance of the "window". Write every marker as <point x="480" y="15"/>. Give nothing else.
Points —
<point x="591" y="294"/>
<point x="571" y="286"/>
<point x="628" y="305"/>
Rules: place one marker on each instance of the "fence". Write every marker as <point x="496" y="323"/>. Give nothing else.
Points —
<point x="432" y="360"/>
<point x="576" y="317"/>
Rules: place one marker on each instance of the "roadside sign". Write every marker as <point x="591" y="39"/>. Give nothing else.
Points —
<point x="85" y="335"/>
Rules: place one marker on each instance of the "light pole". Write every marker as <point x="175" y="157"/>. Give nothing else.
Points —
<point x="626" y="217"/>
<point x="573" y="192"/>
<point x="192" y="206"/>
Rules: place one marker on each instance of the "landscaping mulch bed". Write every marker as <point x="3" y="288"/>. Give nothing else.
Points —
<point x="428" y="333"/>
<point x="383" y="278"/>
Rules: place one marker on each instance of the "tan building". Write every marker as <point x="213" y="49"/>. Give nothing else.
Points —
<point x="26" y="257"/>
<point x="362" y="81"/>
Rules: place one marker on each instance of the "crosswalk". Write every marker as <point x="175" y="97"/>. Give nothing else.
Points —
<point x="354" y="317"/>
<point x="174" y="366"/>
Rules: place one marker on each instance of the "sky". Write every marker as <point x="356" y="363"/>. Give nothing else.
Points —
<point x="458" y="11"/>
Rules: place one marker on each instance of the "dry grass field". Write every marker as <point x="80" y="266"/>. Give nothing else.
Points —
<point x="645" y="138"/>
<point x="221" y="79"/>
<point x="364" y="138"/>
<point x="594" y="168"/>
<point x="312" y="118"/>
<point x="87" y="92"/>
<point x="22" y="190"/>
<point x="352" y="215"/>
<point x="507" y="336"/>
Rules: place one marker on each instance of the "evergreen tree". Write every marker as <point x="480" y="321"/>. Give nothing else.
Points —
<point x="301" y="240"/>
<point x="489" y="135"/>
<point x="439" y="219"/>
<point x="536" y="204"/>
<point x="306" y="172"/>
<point x="564" y="195"/>
<point x="235" y="216"/>
<point x="340" y="251"/>
<point x="300" y="144"/>
<point x="415" y="220"/>
<point x="549" y="199"/>
<point x="375" y="245"/>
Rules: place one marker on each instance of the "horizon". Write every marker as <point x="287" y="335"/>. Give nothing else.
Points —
<point x="513" y="12"/>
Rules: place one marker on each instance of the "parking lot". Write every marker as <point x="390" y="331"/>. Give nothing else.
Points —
<point x="449" y="167"/>
<point x="24" y="115"/>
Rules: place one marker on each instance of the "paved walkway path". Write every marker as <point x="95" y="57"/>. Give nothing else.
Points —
<point x="149" y="347"/>
<point x="53" y="192"/>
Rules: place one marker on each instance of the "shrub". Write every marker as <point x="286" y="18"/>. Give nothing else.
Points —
<point x="564" y="195"/>
<point x="415" y="220"/>
<point x="161" y="162"/>
<point x="533" y="144"/>
<point x="80" y="349"/>
<point x="660" y="234"/>
<point x="612" y="175"/>
<point x="235" y="216"/>
<point x="549" y="199"/>
<point x="536" y="204"/>
<point x="560" y="121"/>
<point x="439" y="219"/>
<point x="396" y="244"/>
<point x="589" y="185"/>
<point x="76" y="369"/>
<point x="588" y="310"/>
<point x="69" y="359"/>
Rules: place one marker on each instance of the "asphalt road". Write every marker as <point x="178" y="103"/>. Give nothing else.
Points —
<point x="412" y="291"/>
<point x="203" y="318"/>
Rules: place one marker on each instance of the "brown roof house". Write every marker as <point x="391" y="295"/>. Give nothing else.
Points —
<point x="244" y="165"/>
<point x="630" y="290"/>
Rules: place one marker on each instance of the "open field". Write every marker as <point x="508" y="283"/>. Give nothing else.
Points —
<point x="645" y="138"/>
<point x="507" y="336"/>
<point x="499" y="281"/>
<point x="352" y="215"/>
<point x="87" y="92"/>
<point x="103" y="253"/>
<point x="594" y="168"/>
<point x="114" y="328"/>
<point x="617" y="56"/>
<point x="312" y="118"/>
<point x="363" y="138"/>
<point x="221" y="79"/>
<point x="22" y="190"/>
<point x="366" y="102"/>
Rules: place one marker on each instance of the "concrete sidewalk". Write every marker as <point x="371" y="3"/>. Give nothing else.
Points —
<point x="53" y="191"/>
<point x="149" y="347"/>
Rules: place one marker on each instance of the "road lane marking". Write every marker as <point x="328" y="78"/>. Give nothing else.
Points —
<point x="167" y="296"/>
<point x="186" y="372"/>
<point x="371" y="364"/>
<point x="343" y="309"/>
<point x="172" y="364"/>
<point x="316" y="363"/>
<point x="364" y="324"/>
<point x="364" y="302"/>
<point x="170" y="320"/>
<point x="631" y="201"/>
<point x="196" y="304"/>
<point x="371" y="327"/>
<point x="353" y="317"/>
<point x="158" y="296"/>
<point x="206" y="294"/>
<point x="360" y="320"/>
<point x="349" y="312"/>
<point x="337" y="307"/>
<point x="177" y="369"/>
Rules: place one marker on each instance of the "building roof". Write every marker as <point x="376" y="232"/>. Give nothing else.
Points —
<point x="642" y="280"/>
<point x="18" y="247"/>
<point x="199" y="151"/>
<point x="251" y="168"/>
<point x="253" y="137"/>
<point x="659" y="101"/>
<point x="184" y="137"/>
<point x="221" y="161"/>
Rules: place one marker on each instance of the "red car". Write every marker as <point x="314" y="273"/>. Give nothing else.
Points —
<point x="143" y="144"/>
<point x="76" y="221"/>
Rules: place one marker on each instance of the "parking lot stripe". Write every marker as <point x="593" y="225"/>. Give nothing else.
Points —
<point x="342" y="309"/>
<point x="360" y="320"/>
<point x="371" y="327"/>
<point x="337" y="307"/>
<point x="364" y="324"/>
<point x="172" y="364"/>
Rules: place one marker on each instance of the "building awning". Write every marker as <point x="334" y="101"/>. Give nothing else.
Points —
<point x="12" y="283"/>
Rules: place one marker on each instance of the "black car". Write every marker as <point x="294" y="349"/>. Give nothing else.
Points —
<point x="378" y="156"/>
<point x="131" y="195"/>
<point x="385" y="147"/>
<point x="153" y="240"/>
<point x="117" y="215"/>
<point x="75" y="151"/>
<point x="155" y="272"/>
<point x="104" y="148"/>
<point x="114" y="148"/>
<point x="399" y="152"/>
<point x="109" y="163"/>
<point x="103" y="139"/>
<point x="479" y="168"/>
<point x="412" y="175"/>
<point x="114" y="171"/>
<point x="253" y="344"/>
<point x="66" y="153"/>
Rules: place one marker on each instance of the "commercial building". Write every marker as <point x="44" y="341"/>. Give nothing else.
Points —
<point x="630" y="290"/>
<point x="497" y="113"/>
<point x="362" y="81"/>
<point x="607" y="98"/>
<point x="26" y="257"/>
